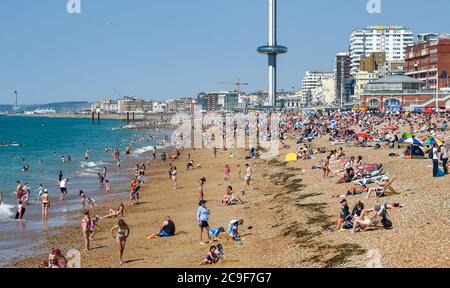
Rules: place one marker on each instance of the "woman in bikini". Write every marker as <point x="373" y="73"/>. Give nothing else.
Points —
<point x="326" y="167"/>
<point x="122" y="232"/>
<point x="115" y="213"/>
<point x="45" y="202"/>
<point x="85" y="229"/>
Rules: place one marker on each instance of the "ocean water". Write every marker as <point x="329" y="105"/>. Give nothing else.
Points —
<point x="43" y="142"/>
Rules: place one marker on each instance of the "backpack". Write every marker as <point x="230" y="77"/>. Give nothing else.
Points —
<point x="430" y="154"/>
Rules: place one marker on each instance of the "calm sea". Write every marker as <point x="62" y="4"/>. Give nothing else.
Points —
<point x="43" y="143"/>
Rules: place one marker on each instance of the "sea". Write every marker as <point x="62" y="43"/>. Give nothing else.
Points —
<point x="40" y="143"/>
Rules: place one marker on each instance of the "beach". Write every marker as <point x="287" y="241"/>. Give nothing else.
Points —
<point x="286" y="212"/>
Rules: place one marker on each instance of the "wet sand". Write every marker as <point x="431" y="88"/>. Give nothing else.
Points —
<point x="289" y="207"/>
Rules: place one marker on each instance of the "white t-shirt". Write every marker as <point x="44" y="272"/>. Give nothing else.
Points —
<point x="435" y="153"/>
<point x="63" y="183"/>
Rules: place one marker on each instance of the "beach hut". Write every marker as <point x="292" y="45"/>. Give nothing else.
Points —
<point x="417" y="152"/>
<point x="290" y="157"/>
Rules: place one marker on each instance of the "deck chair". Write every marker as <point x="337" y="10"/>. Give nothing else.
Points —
<point x="371" y="180"/>
<point x="236" y="199"/>
<point x="387" y="190"/>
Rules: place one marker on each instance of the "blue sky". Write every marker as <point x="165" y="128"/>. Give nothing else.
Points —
<point x="161" y="49"/>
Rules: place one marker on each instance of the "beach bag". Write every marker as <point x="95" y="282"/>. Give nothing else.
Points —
<point x="387" y="224"/>
<point x="348" y="225"/>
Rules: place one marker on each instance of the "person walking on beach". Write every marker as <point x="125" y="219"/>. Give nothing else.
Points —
<point x="108" y="188"/>
<point x="174" y="177"/>
<point x="435" y="153"/>
<point x="122" y="232"/>
<point x="326" y="167"/>
<point x="202" y="218"/>
<point x="201" y="188"/>
<point x="63" y="188"/>
<point x="248" y="176"/>
<point x="45" y="203"/>
<point x="85" y="229"/>
<point x="444" y="157"/>
<point x="19" y="191"/>
<point x="227" y="173"/>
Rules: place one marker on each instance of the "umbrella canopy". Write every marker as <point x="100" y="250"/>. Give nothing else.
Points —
<point x="407" y="135"/>
<point x="290" y="157"/>
<point x="413" y="141"/>
<point x="432" y="141"/>
<point x="364" y="135"/>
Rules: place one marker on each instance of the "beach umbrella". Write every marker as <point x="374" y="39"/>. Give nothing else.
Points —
<point x="407" y="135"/>
<point x="432" y="141"/>
<point x="290" y="157"/>
<point x="413" y="141"/>
<point x="364" y="135"/>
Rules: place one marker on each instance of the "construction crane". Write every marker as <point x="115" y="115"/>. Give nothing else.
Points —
<point x="238" y="84"/>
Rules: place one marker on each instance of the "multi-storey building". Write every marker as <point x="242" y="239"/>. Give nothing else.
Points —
<point x="311" y="81"/>
<point x="341" y="72"/>
<point x="430" y="60"/>
<point x="392" y="40"/>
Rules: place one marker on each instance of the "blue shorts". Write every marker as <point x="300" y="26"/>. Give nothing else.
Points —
<point x="163" y="233"/>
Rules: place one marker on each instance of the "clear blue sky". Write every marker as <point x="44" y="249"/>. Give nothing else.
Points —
<point x="161" y="49"/>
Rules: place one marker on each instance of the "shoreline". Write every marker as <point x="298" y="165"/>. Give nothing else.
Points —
<point x="288" y="208"/>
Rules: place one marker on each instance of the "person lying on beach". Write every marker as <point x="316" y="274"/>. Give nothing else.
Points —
<point x="211" y="257"/>
<point x="115" y="213"/>
<point x="86" y="201"/>
<point x="214" y="233"/>
<point x="167" y="230"/>
<point x="354" y="190"/>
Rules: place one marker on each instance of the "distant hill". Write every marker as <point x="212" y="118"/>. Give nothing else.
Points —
<point x="60" y="107"/>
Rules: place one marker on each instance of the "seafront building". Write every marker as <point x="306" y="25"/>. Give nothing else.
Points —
<point x="341" y="73"/>
<point x="392" y="40"/>
<point x="429" y="60"/>
<point x="311" y="83"/>
<point x="402" y="92"/>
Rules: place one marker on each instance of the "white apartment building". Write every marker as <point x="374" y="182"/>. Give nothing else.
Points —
<point x="311" y="81"/>
<point x="392" y="40"/>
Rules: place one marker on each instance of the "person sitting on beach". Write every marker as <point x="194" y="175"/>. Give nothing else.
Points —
<point x="230" y="199"/>
<point x="214" y="233"/>
<point x="372" y="192"/>
<point x="167" y="230"/>
<point x="343" y="215"/>
<point x="348" y="176"/>
<point x="233" y="229"/>
<point x="378" y="219"/>
<point x="219" y="252"/>
<point x="115" y="213"/>
<point x="211" y="257"/>
<point x="86" y="201"/>
<point x="56" y="259"/>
